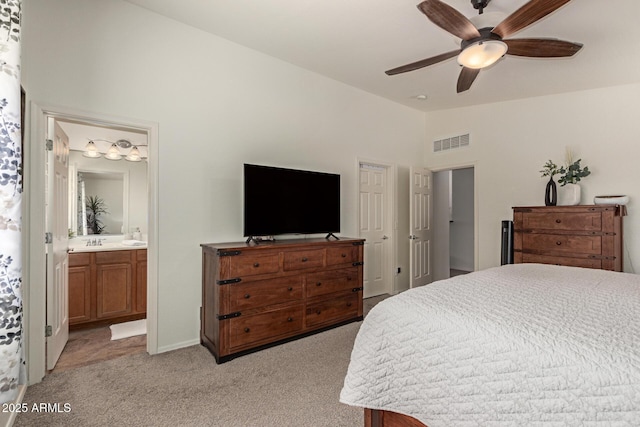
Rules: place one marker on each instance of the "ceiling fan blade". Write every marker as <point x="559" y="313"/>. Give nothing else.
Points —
<point x="423" y="63"/>
<point x="542" y="48"/>
<point x="449" y="19"/>
<point x="466" y="78"/>
<point x="527" y="15"/>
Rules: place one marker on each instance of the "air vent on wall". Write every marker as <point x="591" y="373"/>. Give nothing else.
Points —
<point x="445" y="144"/>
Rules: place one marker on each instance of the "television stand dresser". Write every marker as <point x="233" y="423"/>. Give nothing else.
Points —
<point x="259" y="295"/>
<point x="587" y="236"/>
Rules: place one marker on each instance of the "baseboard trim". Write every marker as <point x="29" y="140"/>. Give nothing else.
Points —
<point x="178" y="346"/>
<point x="8" y="418"/>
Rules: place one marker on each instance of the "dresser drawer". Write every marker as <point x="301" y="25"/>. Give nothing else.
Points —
<point x="345" y="307"/>
<point x="303" y="259"/>
<point x="584" y="221"/>
<point x="569" y="262"/>
<point x="562" y="243"/>
<point x="265" y="327"/>
<point x="331" y="281"/>
<point x="262" y="293"/>
<point x="245" y="265"/>
<point x="342" y="255"/>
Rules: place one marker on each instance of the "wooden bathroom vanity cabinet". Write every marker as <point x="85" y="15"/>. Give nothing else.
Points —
<point x="260" y="295"/>
<point x="107" y="287"/>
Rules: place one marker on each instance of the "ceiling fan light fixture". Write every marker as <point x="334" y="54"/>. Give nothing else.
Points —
<point x="90" y="150"/>
<point x="482" y="54"/>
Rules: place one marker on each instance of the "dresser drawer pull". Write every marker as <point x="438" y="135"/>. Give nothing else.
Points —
<point x="247" y="329"/>
<point x="349" y="278"/>
<point x="318" y="312"/>
<point x="348" y="304"/>
<point x="289" y="288"/>
<point x="256" y="264"/>
<point x="558" y="243"/>
<point x="558" y="221"/>
<point x="318" y="283"/>
<point x="343" y="255"/>
<point x="247" y="296"/>
<point x="289" y="319"/>
<point x="305" y="259"/>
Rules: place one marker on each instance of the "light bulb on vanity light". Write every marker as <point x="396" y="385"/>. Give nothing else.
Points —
<point x="134" y="155"/>
<point x="113" y="153"/>
<point x="91" y="150"/>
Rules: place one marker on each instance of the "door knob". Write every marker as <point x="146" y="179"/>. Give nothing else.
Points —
<point x="413" y="237"/>
<point x="385" y="237"/>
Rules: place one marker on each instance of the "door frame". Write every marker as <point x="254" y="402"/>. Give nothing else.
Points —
<point x="34" y="271"/>
<point x="391" y="206"/>
<point x="476" y="228"/>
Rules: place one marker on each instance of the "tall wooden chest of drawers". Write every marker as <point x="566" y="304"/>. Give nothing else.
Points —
<point x="258" y="295"/>
<point x="587" y="236"/>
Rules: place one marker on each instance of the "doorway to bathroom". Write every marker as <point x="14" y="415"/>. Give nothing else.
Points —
<point x="98" y="287"/>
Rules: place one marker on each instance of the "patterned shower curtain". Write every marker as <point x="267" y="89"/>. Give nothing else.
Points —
<point x="11" y="337"/>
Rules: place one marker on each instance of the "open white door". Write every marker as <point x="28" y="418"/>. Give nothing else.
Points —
<point x="421" y="210"/>
<point x="57" y="243"/>
<point x="375" y="228"/>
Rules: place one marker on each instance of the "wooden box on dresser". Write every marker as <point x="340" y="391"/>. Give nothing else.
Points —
<point x="258" y="295"/>
<point x="587" y="236"/>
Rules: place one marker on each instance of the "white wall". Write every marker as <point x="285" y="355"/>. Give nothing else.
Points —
<point x="511" y="141"/>
<point x="218" y="105"/>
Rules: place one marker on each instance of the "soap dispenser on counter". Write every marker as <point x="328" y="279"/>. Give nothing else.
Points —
<point x="137" y="235"/>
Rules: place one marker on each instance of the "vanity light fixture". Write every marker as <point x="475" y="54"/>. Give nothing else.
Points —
<point x="91" y="150"/>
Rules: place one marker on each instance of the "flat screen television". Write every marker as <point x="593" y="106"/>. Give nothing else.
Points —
<point x="290" y="201"/>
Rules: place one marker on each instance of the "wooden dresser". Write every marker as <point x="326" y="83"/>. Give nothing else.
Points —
<point x="581" y="236"/>
<point x="259" y="295"/>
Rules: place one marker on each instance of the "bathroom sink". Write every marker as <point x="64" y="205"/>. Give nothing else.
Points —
<point x="106" y="246"/>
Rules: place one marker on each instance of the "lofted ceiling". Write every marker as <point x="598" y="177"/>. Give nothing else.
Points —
<point x="355" y="41"/>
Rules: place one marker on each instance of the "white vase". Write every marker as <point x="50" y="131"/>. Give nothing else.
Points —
<point x="569" y="195"/>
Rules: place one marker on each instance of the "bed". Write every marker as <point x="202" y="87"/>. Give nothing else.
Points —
<point x="521" y="344"/>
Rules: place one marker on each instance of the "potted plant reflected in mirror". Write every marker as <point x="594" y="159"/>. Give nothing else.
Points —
<point x="550" y="193"/>
<point x="570" y="175"/>
<point x="95" y="208"/>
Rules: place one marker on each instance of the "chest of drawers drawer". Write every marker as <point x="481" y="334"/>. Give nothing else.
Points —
<point x="562" y="243"/>
<point x="332" y="310"/>
<point x="266" y="326"/>
<point x="327" y="282"/>
<point x="262" y="293"/>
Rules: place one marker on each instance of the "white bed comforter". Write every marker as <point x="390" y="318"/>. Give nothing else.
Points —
<point x="517" y="345"/>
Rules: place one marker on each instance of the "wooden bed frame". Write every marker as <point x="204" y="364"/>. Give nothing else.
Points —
<point x="380" y="418"/>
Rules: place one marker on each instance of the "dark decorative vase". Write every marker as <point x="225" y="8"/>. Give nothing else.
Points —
<point x="551" y="193"/>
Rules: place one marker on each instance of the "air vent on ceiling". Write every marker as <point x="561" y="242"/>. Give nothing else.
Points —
<point x="445" y="144"/>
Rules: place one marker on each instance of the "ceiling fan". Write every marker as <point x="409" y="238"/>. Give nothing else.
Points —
<point x="482" y="47"/>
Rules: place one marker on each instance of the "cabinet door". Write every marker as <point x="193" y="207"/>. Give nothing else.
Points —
<point x="79" y="294"/>
<point x="113" y="290"/>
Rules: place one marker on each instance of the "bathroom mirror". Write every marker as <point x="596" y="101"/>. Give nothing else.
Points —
<point x="118" y="188"/>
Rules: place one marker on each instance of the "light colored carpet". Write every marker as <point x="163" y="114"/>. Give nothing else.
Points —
<point x="128" y="329"/>
<point x="296" y="384"/>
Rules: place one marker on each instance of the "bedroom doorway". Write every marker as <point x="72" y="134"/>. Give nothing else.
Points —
<point x="454" y="222"/>
<point x="36" y="155"/>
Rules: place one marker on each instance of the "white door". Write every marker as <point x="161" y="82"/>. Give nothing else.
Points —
<point x="57" y="249"/>
<point x="375" y="228"/>
<point x="421" y="211"/>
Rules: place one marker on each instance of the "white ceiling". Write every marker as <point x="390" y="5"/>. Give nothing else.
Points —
<point x="355" y="41"/>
